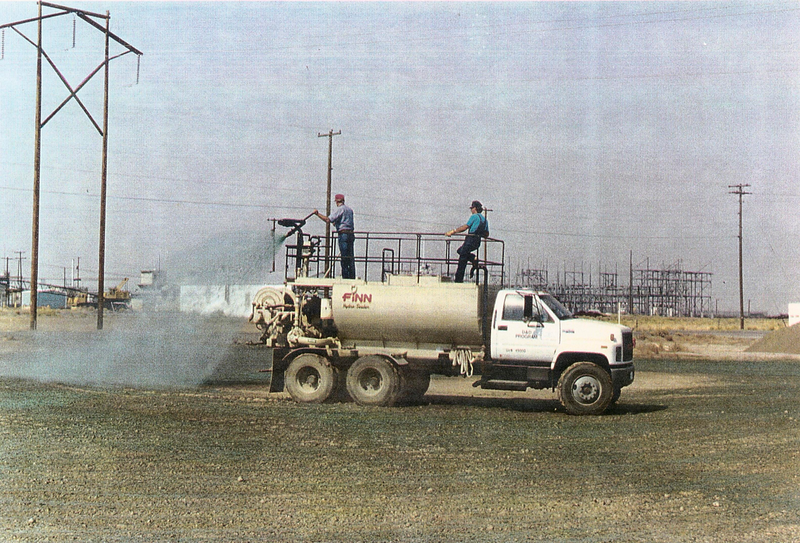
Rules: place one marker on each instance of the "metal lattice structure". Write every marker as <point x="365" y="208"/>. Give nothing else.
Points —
<point x="667" y="292"/>
<point x="671" y="293"/>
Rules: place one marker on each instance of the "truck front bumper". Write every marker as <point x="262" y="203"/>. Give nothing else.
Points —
<point x="622" y="376"/>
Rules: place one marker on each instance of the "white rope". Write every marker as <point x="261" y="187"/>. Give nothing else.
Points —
<point x="463" y="358"/>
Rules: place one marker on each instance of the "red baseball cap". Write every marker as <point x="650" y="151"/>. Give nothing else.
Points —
<point x="339" y="197"/>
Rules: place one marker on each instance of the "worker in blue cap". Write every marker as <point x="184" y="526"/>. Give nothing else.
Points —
<point x="477" y="227"/>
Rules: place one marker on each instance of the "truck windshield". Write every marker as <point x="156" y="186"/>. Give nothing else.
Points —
<point x="555" y="306"/>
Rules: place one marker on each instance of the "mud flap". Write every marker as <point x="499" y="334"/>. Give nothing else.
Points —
<point x="242" y="363"/>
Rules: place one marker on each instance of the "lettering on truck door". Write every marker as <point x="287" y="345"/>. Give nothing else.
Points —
<point x="515" y="339"/>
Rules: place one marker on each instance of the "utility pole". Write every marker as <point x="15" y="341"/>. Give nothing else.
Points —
<point x="101" y="266"/>
<point x="20" y="258"/>
<point x="37" y="162"/>
<point x="740" y="191"/>
<point x="486" y="211"/>
<point x="328" y="245"/>
<point x="630" y="283"/>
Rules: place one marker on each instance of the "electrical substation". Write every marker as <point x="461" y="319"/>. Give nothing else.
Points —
<point x="669" y="291"/>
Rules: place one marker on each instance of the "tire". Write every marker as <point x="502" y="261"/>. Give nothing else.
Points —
<point x="415" y="385"/>
<point x="585" y="389"/>
<point x="310" y="378"/>
<point x="374" y="380"/>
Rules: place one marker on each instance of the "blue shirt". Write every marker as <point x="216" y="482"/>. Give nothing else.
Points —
<point x="477" y="224"/>
<point x="342" y="218"/>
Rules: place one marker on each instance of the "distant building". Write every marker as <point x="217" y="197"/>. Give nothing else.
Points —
<point x="151" y="280"/>
<point x="794" y="314"/>
<point x="4" y="284"/>
<point x="50" y="298"/>
<point x="154" y="293"/>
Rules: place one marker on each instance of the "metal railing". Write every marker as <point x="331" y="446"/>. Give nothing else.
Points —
<point x="379" y="254"/>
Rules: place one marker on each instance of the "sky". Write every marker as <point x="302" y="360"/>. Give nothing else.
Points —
<point x="593" y="131"/>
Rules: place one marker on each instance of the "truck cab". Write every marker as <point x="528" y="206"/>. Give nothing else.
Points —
<point x="535" y="341"/>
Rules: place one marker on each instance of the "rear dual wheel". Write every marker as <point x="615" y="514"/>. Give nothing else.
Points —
<point x="374" y="380"/>
<point x="371" y="380"/>
<point x="415" y="385"/>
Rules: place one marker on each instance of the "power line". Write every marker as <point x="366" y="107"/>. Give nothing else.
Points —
<point x="406" y="36"/>
<point x="363" y="214"/>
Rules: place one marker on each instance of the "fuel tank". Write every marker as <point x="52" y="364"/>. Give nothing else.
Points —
<point x="408" y="311"/>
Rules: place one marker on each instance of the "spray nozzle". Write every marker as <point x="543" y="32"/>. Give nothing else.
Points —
<point x="294" y="224"/>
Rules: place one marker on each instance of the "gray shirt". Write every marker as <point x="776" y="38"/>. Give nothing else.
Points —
<point x="342" y="218"/>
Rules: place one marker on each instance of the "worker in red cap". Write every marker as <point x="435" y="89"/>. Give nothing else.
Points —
<point x="342" y="220"/>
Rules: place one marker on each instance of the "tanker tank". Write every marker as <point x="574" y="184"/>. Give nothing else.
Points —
<point x="423" y="312"/>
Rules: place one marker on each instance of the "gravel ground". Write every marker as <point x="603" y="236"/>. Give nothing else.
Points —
<point x="700" y="448"/>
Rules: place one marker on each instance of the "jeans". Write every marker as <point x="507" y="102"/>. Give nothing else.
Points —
<point x="346" y="242"/>
<point x="471" y="243"/>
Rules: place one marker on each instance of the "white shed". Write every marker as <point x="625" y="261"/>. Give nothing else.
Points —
<point x="794" y="314"/>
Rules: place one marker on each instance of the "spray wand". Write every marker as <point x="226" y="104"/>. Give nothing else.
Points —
<point x="294" y="224"/>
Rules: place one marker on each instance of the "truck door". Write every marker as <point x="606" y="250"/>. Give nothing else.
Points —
<point x="515" y="338"/>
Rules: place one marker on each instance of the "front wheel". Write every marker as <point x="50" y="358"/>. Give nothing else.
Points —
<point x="373" y="380"/>
<point x="585" y="389"/>
<point x="310" y="378"/>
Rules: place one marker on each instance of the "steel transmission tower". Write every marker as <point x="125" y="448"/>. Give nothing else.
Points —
<point x="91" y="19"/>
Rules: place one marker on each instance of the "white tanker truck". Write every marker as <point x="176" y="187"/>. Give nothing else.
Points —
<point x="379" y="341"/>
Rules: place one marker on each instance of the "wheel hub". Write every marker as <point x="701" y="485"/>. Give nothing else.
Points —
<point x="308" y="379"/>
<point x="586" y="389"/>
<point x="370" y="381"/>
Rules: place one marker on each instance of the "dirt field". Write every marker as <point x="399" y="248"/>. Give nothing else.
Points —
<point x="125" y="443"/>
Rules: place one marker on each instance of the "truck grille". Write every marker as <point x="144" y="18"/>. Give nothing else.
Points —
<point x="627" y="347"/>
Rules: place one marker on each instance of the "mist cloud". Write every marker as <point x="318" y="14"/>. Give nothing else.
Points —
<point x="147" y="350"/>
